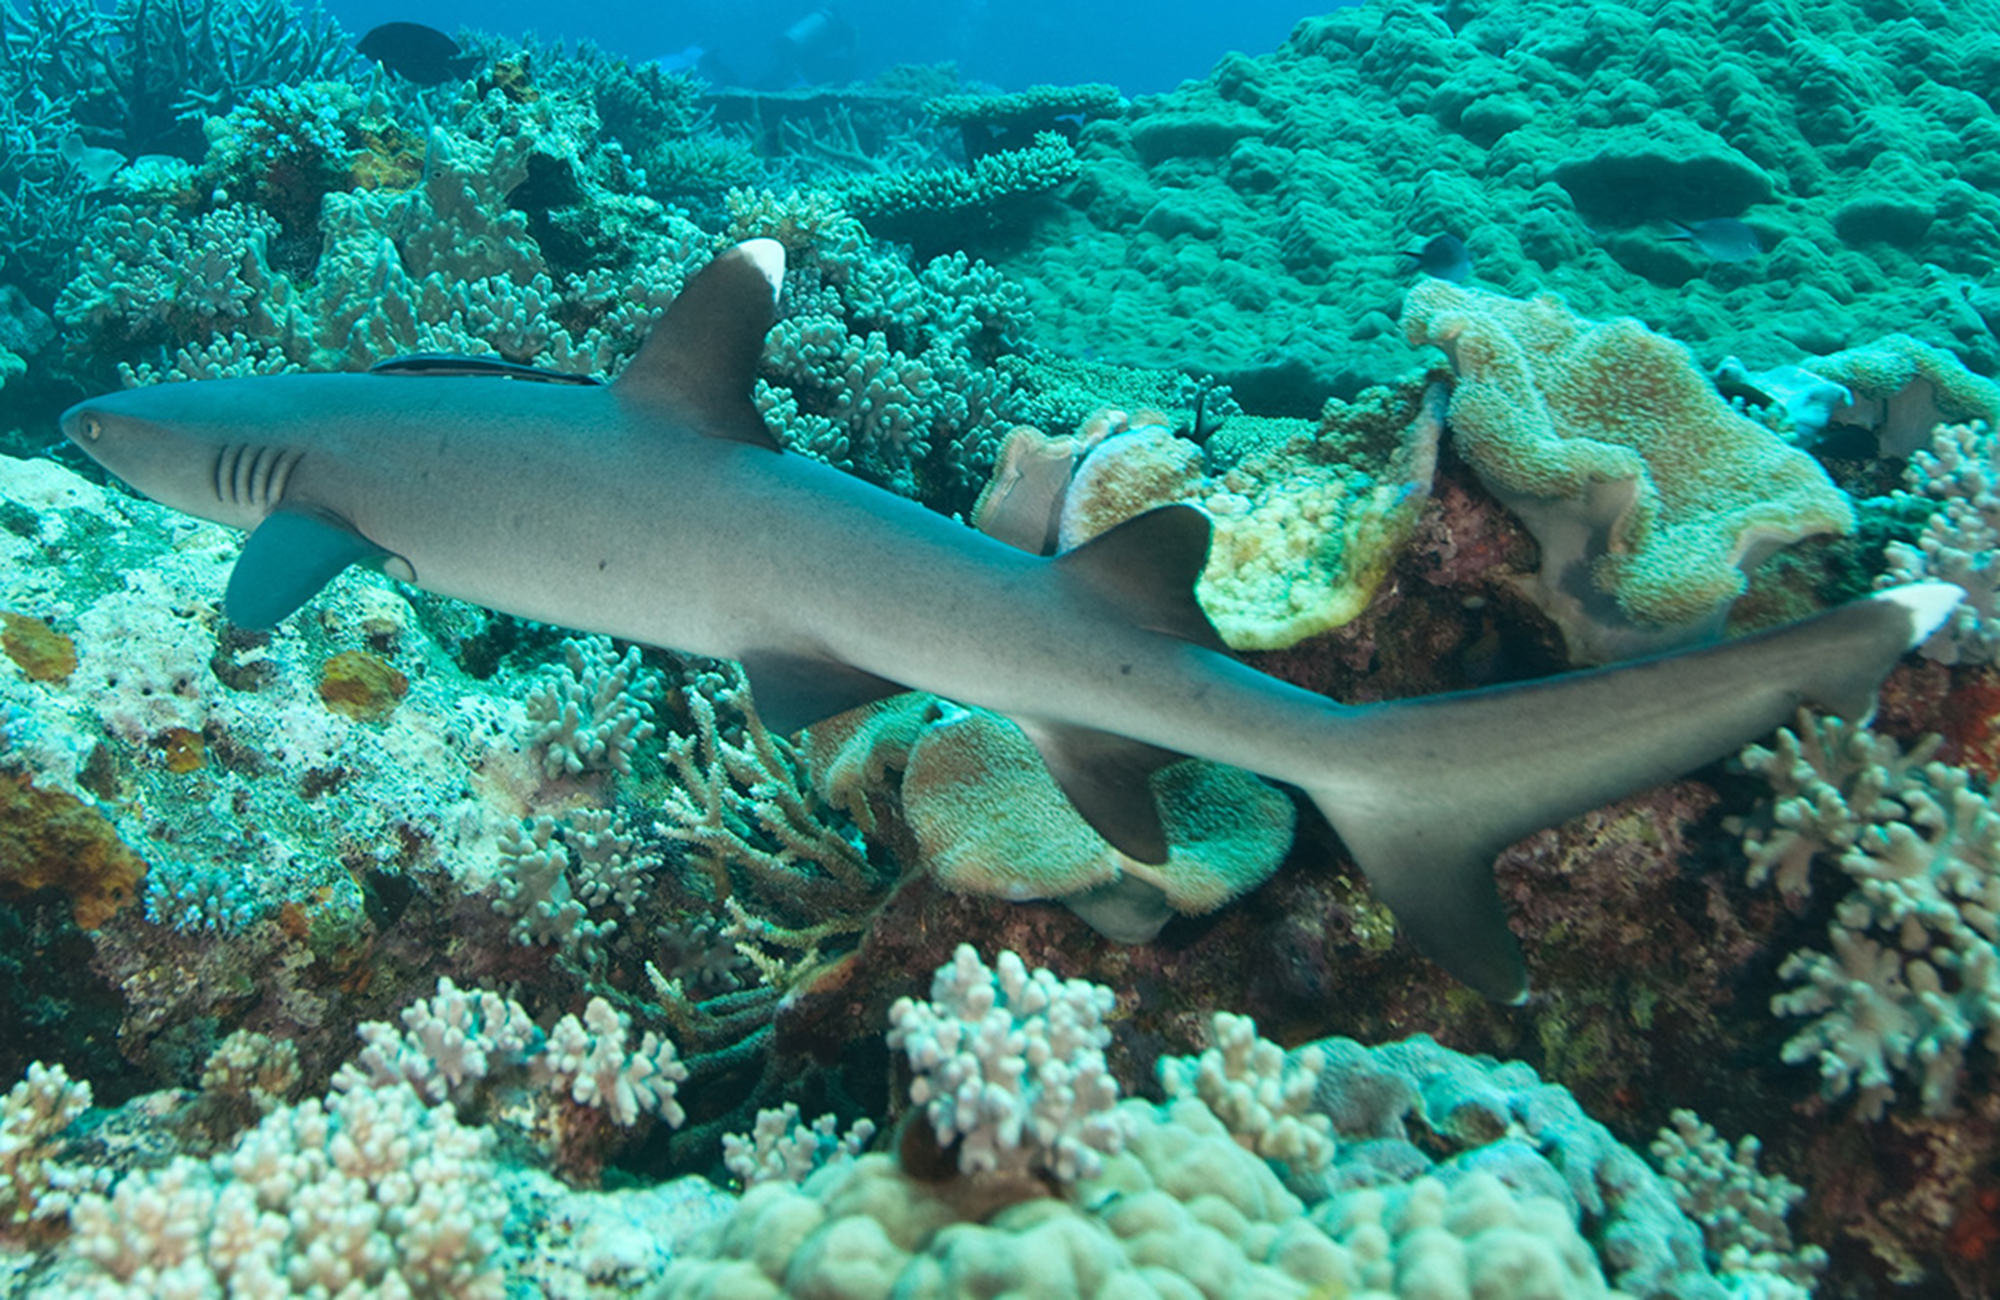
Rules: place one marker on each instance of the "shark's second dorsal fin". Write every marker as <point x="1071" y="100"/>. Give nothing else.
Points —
<point x="1146" y="569"/>
<point x="701" y="357"/>
<point x="285" y="562"/>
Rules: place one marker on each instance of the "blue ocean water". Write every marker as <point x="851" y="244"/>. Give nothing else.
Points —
<point x="1139" y="47"/>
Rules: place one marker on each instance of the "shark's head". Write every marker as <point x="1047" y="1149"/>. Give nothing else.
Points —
<point x="192" y="446"/>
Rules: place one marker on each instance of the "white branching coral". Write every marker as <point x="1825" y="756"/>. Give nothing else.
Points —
<point x="1262" y="1095"/>
<point x="783" y="1147"/>
<point x="1010" y="1065"/>
<point x="1913" y="977"/>
<point x="534" y="888"/>
<point x="551" y="871"/>
<point x="36" y="1187"/>
<point x="1831" y="780"/>
<point x="588" y="1058"/>
<point x="371" y="1193"/>
<point x="1741" y="1211"/>
<point x="449" y="1041"/>
<point x="1961" y="543"/>
<point x="594" y="711"/>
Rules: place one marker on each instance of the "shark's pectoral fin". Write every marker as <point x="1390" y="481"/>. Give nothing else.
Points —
<point x="1105" y="777"/>
<point x="700" y="359"/>
<point x="792" y="690"/>
<point x="1146" y="569"/>
<point x="285" y="562"/>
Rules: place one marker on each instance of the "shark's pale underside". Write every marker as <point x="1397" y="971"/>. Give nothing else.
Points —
<point x="660" y="509"/>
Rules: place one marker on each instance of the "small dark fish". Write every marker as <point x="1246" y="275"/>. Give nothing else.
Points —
<point x="417" y="53"/>
<point x="1443" y="257"/>
<point x="1723" y="238"/>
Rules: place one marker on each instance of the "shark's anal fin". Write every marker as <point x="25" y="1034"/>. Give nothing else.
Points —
<point x="285" y="562"/>
<point x="698" y="363"/>
<point x="793" y="691"/>
<point x="1105" y="777"/>
<point x="1146" y="568"/>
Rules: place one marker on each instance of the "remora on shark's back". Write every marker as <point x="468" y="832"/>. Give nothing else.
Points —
<point x="660" y="509"/>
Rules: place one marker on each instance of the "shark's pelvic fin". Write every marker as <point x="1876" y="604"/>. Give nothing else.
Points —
<point x="1106" y="779"/>
<point x="285" y="562"/>
<point x="795" y="690"/>
<point x="1145" y="569"/>
<point x="700" y="359"/>
<point x="1429" y="791"/>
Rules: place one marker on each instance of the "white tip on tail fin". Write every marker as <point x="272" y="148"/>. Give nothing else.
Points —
<point x="1929" y="605"/>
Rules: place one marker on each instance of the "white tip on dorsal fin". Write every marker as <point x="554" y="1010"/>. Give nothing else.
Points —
<point x="700" y="359"/>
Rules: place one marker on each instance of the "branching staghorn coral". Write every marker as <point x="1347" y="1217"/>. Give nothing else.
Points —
<point x="1913" y="978"/>
<point x="742" y="804"/>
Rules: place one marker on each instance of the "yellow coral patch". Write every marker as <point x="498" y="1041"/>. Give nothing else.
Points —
<point x="361" y="686"/>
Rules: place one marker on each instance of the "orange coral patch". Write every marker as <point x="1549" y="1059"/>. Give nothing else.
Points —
<point x="50" y="840"/>
<point x="43" y="653"/>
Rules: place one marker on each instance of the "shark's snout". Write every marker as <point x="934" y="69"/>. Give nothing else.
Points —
<point x="82" y="425"/>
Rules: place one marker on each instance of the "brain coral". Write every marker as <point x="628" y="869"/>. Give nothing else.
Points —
<point x="1650" y="497"/>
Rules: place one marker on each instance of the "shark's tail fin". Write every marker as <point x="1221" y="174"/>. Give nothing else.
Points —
<point x="1430" y="790"/>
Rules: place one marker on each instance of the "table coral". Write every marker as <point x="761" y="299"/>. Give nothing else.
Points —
<point x="1651" y="498"/>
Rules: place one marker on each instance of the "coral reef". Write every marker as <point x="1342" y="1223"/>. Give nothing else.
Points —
<point x="469" y="959"/>
<point x="1248" y="224"/>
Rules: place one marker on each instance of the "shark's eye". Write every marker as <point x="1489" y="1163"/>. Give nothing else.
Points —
<point x="92" y="427"/>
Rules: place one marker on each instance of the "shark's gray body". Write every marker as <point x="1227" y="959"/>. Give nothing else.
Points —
<point x="658" y="510"/>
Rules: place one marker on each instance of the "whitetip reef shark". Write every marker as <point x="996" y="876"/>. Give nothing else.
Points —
<point x="660" y="509"/>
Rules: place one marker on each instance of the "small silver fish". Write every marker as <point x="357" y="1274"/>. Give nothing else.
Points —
<point x="1724" y="239"/>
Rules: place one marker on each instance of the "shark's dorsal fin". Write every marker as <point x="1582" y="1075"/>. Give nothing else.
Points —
<point x="701" y="357"/>
<point x="433" y="365"/>
<point x="285" y="562"/>
<point x="1146" y="569"/>
<point x="1105" y="777"/>
<point x="793" y="691"/>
